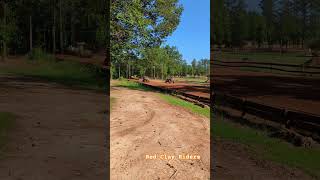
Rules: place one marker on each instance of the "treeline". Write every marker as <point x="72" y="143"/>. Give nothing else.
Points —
<point x="161" y="62"/>
<point x="199" y="68"/>
<point x="167" y="61"/>
<point x="275" y="23"/>
<point x="52" y="25"/>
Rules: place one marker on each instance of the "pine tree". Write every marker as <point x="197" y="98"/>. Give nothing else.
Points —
<point x="268" y="11"/>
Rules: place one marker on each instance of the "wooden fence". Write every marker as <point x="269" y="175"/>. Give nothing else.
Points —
<point x="201" y="99"/>
<point x="290" y="118"/>
<point x="290" y="68"/>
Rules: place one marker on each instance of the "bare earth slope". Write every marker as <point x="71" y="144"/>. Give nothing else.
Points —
<point x="59" y="132"/>
<point x="143" y="124"/>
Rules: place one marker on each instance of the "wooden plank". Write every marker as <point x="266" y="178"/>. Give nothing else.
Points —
<point x="265" y="115"/>
<point x="200" y="99"/>
<point x="270" y="68"/>
<point x="265" y="108"/>
<point x="299" y="120"/>
<point x="266" y="64"/>
<point x="303" y="117"/>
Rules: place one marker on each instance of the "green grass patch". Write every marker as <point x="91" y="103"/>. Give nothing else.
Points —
<point x="6" y="123"/>
<point x="197" y="80"/>
<point x="131" y="85"/>
<point x="112" y="101"/>
<point x="37" y="54"/>
<point x="268" y="57"/>
<point x="190" y="106"/>
<point x="264" y="147"/>
<point x="64" y="72"/>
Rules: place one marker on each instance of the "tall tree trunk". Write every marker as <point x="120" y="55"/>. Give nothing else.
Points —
<point x="54" y="28"/>
<point x="4" y="43"/>
<point x="162" y="71"/>
<point x="119" y="71"/>
<point x="72" y="34"/>
<point x="65" y="35"/>
<point x="72" y="28"/>
<point x="4" y="53"/>
<point x="61" y="28"/>
<point x="281" y="46"/>
<point x="30" y="32"/>
<point x="129" y="71"/>
<point x="304" y="25"/>
<point x="44" y="40"/>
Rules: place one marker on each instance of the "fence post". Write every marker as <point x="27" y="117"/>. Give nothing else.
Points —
<point x="287" y="121"/>
<point x="243" y="108"/>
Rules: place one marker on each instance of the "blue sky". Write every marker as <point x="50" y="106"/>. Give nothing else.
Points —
<point x="192" y="36"/>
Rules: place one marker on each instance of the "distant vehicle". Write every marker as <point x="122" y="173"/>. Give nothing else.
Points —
<point x="79" y="50"/>
<point x="169" y="80"/>
<point x="134" y="77"/>
<point x="145" y="79"/>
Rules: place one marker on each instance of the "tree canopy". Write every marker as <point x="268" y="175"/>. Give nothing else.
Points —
<point x="138" y="30"/>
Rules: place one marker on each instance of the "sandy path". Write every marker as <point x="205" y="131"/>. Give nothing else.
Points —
<point x="59" y="132"/>
<point x="143" y="124"/>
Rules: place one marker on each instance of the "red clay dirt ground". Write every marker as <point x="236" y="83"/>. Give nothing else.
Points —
<point x="144" y="124"/>
<point x="59" y="132"/>
<point x="202" y="90"/>
<point x="293" y="92"/>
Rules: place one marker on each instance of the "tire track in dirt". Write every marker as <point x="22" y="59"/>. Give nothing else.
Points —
<point x="156" y="127"/>
<point x="148" y="118"/>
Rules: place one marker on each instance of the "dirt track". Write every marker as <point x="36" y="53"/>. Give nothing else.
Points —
<point x="202" y="90"/>
<point x="296" y="93"/>
<point x="59" y="132"/>
<point x="143" y="124"/>
<point x="282" y="91"/>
